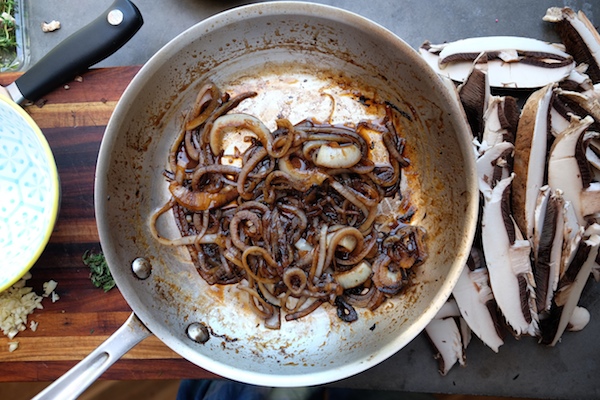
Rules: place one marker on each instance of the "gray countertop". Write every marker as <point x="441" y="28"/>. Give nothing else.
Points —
<point x="521" y="368"/>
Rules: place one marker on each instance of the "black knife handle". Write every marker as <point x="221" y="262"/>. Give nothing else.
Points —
<point x="86" y="47"/>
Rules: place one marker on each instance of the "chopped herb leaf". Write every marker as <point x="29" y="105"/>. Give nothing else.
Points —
<point x="99" y="273"/>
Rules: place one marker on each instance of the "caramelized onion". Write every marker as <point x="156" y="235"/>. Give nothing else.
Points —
<point x="294" y="222"/>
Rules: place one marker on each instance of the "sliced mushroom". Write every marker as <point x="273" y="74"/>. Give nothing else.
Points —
<point x="596" y="270"/>
<point x="547" y="246"/>
<point x="506" y="48"/>
<point x="584" y="103"/>
<point x="474" y="94"/>
<point x="560" y="117"/>
<point x="569" y="290"/>
<point x="476" y="301"/>
<point x="493" y="166"/>
<point x="578" y="80"/>
<point x="592" y="154"/>
<point x="580" y="37"/>
<point x="567" y="103"/>
<point x="513" y="62"/>
<point x="572" y="235"/>
<point x="507" y="256"/>
<point x="530" y="157"/>
<point x="501" y="120"/>
<point x="569" y="171"/>
<point x="594" y="227"/>
<point x="449" y="309"/>
<point x="444" y="334"/>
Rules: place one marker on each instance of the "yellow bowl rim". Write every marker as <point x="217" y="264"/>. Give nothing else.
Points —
<point x="55" y="197"/>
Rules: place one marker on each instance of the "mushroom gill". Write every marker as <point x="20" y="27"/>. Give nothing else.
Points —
<point x="580" y="37"/>
<point x="530" y="157"/>
<point x="493" y="166"/>
<point x="501" y="120"/>
<point x="507" y="256"/>
<point x="476" y="301"/>
<point x="569" y="290"/>
<point x="514" y="62"/>
<point x="569" y="170"/>
<point x="474" y="94"/>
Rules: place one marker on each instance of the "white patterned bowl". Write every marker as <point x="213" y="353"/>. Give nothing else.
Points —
<point x="29" y="192"/>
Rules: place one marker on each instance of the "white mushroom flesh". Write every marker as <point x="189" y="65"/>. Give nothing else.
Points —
<point x="473" y="294"/>
<point x="572" y="235"/>
<point x="508" y="262"/>
<point x="547" y="246"/>
<point x="564" y="171"/>
<point x="580" y="36"/>
<point x="492" y="166"/>
<point x="530" y="157"/>
<point x="445" y="336"/>
<point x="567" y="296"/>
<point x="504" y="69"/>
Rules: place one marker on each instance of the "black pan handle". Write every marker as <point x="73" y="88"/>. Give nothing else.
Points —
<point x="86" y="47"/>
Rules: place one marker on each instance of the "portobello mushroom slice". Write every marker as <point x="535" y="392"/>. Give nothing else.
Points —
<point x="507" y="256"/>
<point x="580" y="37"/>
<point x="547" y="246"/>
<point x="512" y="62"/>
<point x="493" y="166"/>
<point x="578" y="80"/>
<point x="569" y="170"/>
<point x="569" y="290"/>
<point x="531" y="147"/>
<point x="476" y="301"/>
<point x="501" y="120"/>
<point x="583" y="103"/>
<point x="572" y="236"/>
<point x="448" y="337"/>
<point x="592" y="154"/>
<point x="574" y="102"/>
<point x="474" y="95"/>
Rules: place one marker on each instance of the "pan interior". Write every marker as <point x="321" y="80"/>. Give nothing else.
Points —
<point x="304" y="61"/>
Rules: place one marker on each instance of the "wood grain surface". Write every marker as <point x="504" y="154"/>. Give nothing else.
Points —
<point x="73" y="119"/>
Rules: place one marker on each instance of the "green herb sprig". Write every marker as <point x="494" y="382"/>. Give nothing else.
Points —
<point x="99" y="272"/>
<point x="8" y="37"/>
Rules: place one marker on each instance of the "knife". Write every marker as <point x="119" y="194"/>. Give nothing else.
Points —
<point x="86" y="47"/>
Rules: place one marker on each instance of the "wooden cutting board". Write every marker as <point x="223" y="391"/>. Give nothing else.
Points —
<point x="73" y="119"/>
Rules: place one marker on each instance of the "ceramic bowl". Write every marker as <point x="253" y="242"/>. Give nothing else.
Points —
<point x="29" y="192"/>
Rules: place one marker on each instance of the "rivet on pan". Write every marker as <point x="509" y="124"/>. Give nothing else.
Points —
<point x="115" y="17"/>
<point x="198" y="332"/>
<point x="141" y="268"/>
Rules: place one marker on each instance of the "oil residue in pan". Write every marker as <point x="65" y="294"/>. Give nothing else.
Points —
<point x="298" y="92"/>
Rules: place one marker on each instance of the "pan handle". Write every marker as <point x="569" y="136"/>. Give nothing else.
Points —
<point x="82" y="375"/>
<point x="86" y="47"/>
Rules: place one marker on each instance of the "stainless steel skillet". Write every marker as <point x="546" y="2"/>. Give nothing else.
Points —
<point x="291" y="53"/>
